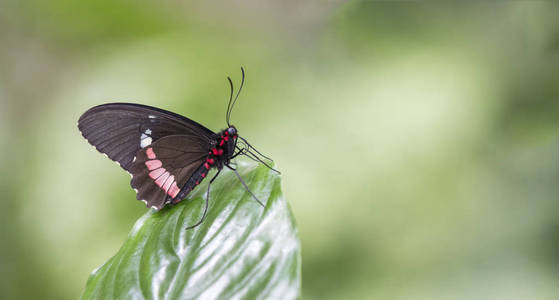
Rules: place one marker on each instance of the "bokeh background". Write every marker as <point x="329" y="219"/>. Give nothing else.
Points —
<point x="418" y="142"/>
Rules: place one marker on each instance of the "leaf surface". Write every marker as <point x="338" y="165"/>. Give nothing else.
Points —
<point x="241" y="250"/>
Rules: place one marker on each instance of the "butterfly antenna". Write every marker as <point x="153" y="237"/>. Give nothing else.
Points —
<point x="230" y="99"/>
<point x="206" y="206"/>
<point x="246" y="187"/>
<point x="238" y="92"/>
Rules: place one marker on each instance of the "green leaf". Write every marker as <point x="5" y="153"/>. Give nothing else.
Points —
<point x="241" y="251"/>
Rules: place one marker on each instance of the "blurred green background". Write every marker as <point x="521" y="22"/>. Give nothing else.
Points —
<point x="418" y="142"/>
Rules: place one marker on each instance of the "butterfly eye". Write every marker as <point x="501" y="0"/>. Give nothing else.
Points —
<point x="232" y="130"/>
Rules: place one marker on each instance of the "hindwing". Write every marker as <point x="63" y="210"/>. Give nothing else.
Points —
<point x="159" y="171"/>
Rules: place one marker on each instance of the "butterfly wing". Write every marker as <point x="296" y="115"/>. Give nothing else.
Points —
<point x="160" y="170"/>
<point x="120" y="130"/>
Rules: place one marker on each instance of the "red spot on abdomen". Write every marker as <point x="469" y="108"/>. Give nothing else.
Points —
<point x="216" y="151"/>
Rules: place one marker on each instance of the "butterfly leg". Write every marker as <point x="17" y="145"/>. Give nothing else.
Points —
<point x="240" y="152"/>
<point x="207" y="201"/>
<point x="246" y="187"/>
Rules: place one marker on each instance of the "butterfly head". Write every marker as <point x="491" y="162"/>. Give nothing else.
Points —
<point x="232" y="131"/>
<point x="230" y="139"/>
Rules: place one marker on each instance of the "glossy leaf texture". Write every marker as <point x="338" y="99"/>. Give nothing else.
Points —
<point x="241" y="251"/>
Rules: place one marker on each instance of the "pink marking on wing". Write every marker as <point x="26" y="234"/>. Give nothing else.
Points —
<point x="153" y="164"/>
<point x="168" y="182"/>
<point x="173" y="190"/>
<point x="155" y="174"/>
<point x="162" y="179"/>
<point x="150" y="153"/>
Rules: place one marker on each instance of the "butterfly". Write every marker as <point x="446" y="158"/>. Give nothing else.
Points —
<point x="166" y="154"/>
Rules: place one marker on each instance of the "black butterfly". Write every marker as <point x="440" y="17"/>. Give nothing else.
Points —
<point x="166" y="154"/>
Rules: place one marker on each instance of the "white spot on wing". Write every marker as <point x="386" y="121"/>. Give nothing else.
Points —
<point x="134" y="159"/>
<point x="145" y="142"/>
<point x="151" y="117"/>
<point x="145" y="138"/>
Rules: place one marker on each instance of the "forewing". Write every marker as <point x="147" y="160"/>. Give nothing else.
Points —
<point x="119" y="130"/>
<point x="160" y="170"/>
